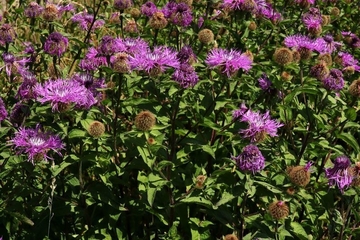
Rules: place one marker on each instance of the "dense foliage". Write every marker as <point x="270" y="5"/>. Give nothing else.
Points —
<point x="228" y="119"/>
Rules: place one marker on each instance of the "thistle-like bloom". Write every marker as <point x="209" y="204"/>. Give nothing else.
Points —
<point x="110" y="45"/>
<point x="312" y="20"/>
<point x="156" y="61"/>
<point x="185" y="76"/>
<point x="326" y="44"/>
<point x="33" y="10"/>
<point x="251" y="159"/>
<point x="84" y="20"/>
<point x="229" y="62"/>
<point x="347" y="60"/>
<point x="26" y="88"/>
<point x="63" y="93"/>
<point x="18" y="114"/>
<point x="179" y="13"/>
<point x="56" y="44"/>
<point x="36" y="143"/>
<point x="134" y="45"/>
<point x="90" y="83"/>
<point x="339" y="174"/>
<point x="93" y="60"/>
<point x="259" y="125"/>
<point x="12" y="65"/>
<point x="7" y="34"/>
<point x="3" y="112"/>
<point x="148" y="9"/>
<point x="123" y="4"/>
<point x="186" y="55"/>
<point x="334" y="81"/>
<point x="299" y="41"/>
<point x="265" y="9"/>
<point x="264" y="82"/>
<point x="352" y="39"/>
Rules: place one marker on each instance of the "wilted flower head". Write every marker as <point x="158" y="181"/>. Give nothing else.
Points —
<point x="179" y="13"/>
<point x="320" y="71"/>
<point x="186" y="55"/>
<point x="33" y="10"/>
<point x="148" y="9"/>
<point x="26" y="88"/>
<point x="158" y="20"/>
<point x="7" y="34"/>
<point x="229" y="62"/>
<point x="154" y="61"/>
<point x="299" y="175"/>
<point x="351" y="39"/>
<point x="36" y="143"/>
<point x="339" y="174"/>
<point x="250" y="159"/>
<point x="185" y="75"/>
<point x="62" y="93"/>
<point x="123" y="4"/>
<point x="56" y="44"/>
<point x="259" y="125"/>
<point x="3" y="112"/>
<point x="334" y="81"/>
<point x="85" y="19"/>
<point x="53" y="11"/>
<point x="12" y="64"/>
<point x="18" y="114"/>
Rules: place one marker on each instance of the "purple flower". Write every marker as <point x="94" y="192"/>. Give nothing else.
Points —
<point x="93" y="60"/>
<point x="62" y="93"/>
<point x="238" y="113"/>
<point x="18" y="114"/>
<point x="259" y="125"/>
<point x="326" y="44"/>
<point x="56" y="44"/>
<point x="123" y="4"/>
<point x="251" y="159"/>
<point x="200" y="22"/>
<point x="36" y="143"/>
<point x="134" y="45"/>
<point x="91" y="83"/>
<point x="348" y="60"/>
<point x="110" y="46"/>
<point x="169" y="9"/>
<point x="33" y="10"/>
<point x="307" y="1"/>
<point x="186" y="55"/>
<point x="84" y="20"/>
<point x="339" y="174"/>
<point x="229" y="62"/>
<point x="351" y="39"/>
<point x="312" y="19"/>
<point x="53" y="11"/>
<point x="334" y="81"/>
<point x="7" y="34"/>
<point x="26" y="88"/>
<point x="233" y="4"/>
<point x="3" y="112"/>
<point x="148" y="9"/>
<point x="299" y="41"/>
<point x="264" y="82"/>
<point x="265" y="9"/>
<point x="180" y="15"/>
<point x="156" y="61"/>
<point x="12" y="64"/>
<point x="185" y="76"/>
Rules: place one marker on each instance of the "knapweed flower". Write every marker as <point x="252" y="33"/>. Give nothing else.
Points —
<point x="303" y="44"/>
<point x="265" y="10"/>
<point x="278" y="210"/>
<point x="299" y="175"/>
<point x="120" y="62"/>
<point x="12" y="65"/>
<point x="91" y="83"/>
<point x="264" y="82"/>
<point x="229" y="62"/>
<point x="347" y="60"/>
<point x="186" y="55"/>
<point x="351" y="39"/>
<point x="185" y="76"/>
<point x="148" y="9"/>
<point x="36" y="143"/>
<point x="96" y="129"/>
<point x="320" y="71"/>
<point x="85" y="19"/>
<point x="313" y="20"/>
<point x="155" y="61"/>
<point x="335" y="81"/>
<point x="63" y="93"/>
<point x="25" y="90"/>
<point x="3" y="112"/>
<point x="259" y="125"/>
<point x="339" y="174"/>
<point x="326" y="44"/>
<point x="158" y="20"/>
<point x="179" y="13"/>
<point x="206" y="36"/>
<point x="7" y="34"/>
<point x="53" y="11"/>
<point x="305" y="3"/>
<point x="134" y="45"/>
<point x="92" y="60"/>
<point x="250" y="159"/>
<point x="110" y="45"/>
<point x="18" y="114"/>
<point x="123" y="4"/>
<point x="56" y="44"/>
<point x="33" y="10"/>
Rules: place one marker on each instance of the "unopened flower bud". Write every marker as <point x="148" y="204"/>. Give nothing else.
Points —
<point x="354" y="88"/>
<point x="278" y="210"/>
<point x="283" y="56"/>
<point x="206" y="36"/>
<point x="96" y="129"/>
<point x="145" y="121"/>
<point x="158" y="21"/>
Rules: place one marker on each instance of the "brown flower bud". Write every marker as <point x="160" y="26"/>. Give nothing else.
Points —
<point x="158" y="21"/>
<point x="326" y="57"/>
<point x="96" y="129"/>
<point x="231" y="237"/>
<point x="278" y="210"/>
<point x="252" y="26"/>
<point x="145" y="121"/>
<point x="320" y="71"/>
<point x="335" y="11"/>
<point x="299" y="175"/>
<point x="206" y="36"/>
<point x="50" y="13"/>
<point x="354" y="88"/>
<point x="283" y="56"/>
<point x="200" y="180"/>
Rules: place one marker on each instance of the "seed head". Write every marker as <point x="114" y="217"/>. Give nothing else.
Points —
<point x="283" y="56"/>
<point x="355" y="173"/>
<point x="305" y="53"/>
<point x="145" y="121"/>
<point x="158" y="21"/>
<point x="131" y="27"/>
<point x="135" y="12"/>
<point x="278" y="210"/>
<point x="200" y="180"/>
<point x="50" y="13"/>
<point x="299" y="175"/>
<point x="335" y="11"/>
<point x="325" y="20"/>
<point x="315" y="31"/>
<point x="354" y="88"/>
<point x="320" y="71"/>
<point x="326" y="57"/>
<point x="206" y="36"/>
<point x="120" y="62"/>
<point x="96" y="129"/>
<point x="296" y="56"/>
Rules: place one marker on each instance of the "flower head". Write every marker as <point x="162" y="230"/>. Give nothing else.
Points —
<point x="229" y="62"/>
<point x="3" y="112"/>
<point x="7" y="34"/>
<point x="339" y="174"/>
<point x="91" y="83"/>
<point x="148" y="9"/>
<point x="84" y="20"/>
<point x="62" y="93"/>
<point x="250" y="159"/>
<point x="56" y="44"/>
<point x="334" y="81"/>
<point x="25" y="90"/>
<point x="18" y="114"/>
<point x="12" y="64"/>
<point x="110" y="45"/>
<point x="179" y="13"/>
<point x="264" y="82"/>
<point x="278" y="210"/>
<point x="33" y="10"/>
<point x="53" y="11"/>
<point x="92" y="60"/>
<point x="299" y="175"/>
<point x="123" y="4"/>
<point x="145" y="121"/>
<point x="36" y="143"/>
<point x="186" y="55"/>
<point x="347" y="60"/>
<point x="185" y="76"/>
<point x="259" y="125"/>
<point x="313" y="20"/>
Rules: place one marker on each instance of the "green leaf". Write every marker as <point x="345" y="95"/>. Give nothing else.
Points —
<point x="77" y="133"/>
<point x="298" y="230"/>
<point x="198" y="200"/>
<point x="21" y="218"/>
<point x="151" y="193"/>
<point x="58" y="168"/>
<point x="349" y="139"/>
<point x="209" y="150"/>
<point x="269" y="187"/>
<point x="350" y="114"/>
<point x="225" y="198"/>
